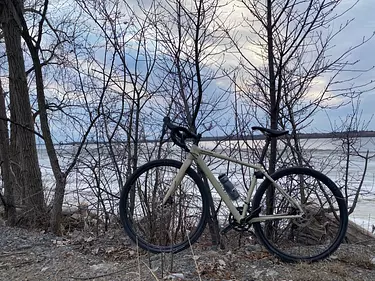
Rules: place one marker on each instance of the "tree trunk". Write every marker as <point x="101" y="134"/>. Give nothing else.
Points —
<point x="10" y="209"/>
<point x="272" y="91"/>
<point x="59" y="176"/>
<point x="23" y="145"/>
<point x="273" y="113"/>
<point x="213" y="222"/>
<point x="57" y="205"/>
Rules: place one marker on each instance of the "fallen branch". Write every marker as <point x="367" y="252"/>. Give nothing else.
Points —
<point x="96" y="276"/>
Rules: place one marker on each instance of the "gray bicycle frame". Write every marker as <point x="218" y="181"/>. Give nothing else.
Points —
<point x="195" y="155"/>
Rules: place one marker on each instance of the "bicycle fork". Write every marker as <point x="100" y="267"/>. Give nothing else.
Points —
<point x="180" y="175"/>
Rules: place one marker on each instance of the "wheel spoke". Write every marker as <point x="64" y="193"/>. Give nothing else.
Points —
<point x="169" y="227"/>
<point x="318" y="232"/>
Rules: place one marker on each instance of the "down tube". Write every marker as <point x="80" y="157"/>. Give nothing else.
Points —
<point x="218" y="188"/>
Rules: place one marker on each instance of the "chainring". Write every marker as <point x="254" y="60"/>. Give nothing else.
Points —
<point x="239" y="226"/>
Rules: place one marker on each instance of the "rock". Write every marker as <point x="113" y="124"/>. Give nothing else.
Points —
<point x="100" y="266"/>
<point x="89" y="239"/>
<point x="175" y="276"/>
<point x="257" y="273"/>
<point x="254" y="248"/>
<point x="221" y="264"/>
<point x="195" y="257"/>
<point x="272" y="273"/>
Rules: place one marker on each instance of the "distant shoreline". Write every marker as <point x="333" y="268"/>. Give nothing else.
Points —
<point x="332" y="135"/>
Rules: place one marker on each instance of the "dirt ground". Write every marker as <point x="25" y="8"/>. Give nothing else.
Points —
<point x="33" y="255"/>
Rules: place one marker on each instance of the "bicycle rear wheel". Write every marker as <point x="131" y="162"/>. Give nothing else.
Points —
<point x="169" y="228"/>
<point x="321" y="229"/>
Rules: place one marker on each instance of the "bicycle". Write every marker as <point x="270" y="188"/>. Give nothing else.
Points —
<point x="298" y="213"/>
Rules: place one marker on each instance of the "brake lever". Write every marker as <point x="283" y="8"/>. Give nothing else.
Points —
<point x="164" y="129"/>
<point x="179" y="139"/>
<point x="166" y="120"/>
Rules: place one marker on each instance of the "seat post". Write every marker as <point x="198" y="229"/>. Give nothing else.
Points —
<point x="264" y="151"/>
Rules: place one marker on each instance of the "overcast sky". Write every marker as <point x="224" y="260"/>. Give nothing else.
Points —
<point x="362" y="26"/>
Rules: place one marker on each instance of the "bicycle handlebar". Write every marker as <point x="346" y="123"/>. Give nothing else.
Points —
<point x="179" y="134"/>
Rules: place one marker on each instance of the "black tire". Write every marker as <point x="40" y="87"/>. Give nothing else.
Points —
<point x="323" y="227"/>
<point x="169" y="228"/>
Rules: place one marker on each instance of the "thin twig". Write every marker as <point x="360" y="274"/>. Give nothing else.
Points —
<point x="153" y="274"/>
<point x="12" y="254"/>
<point x="195" y="260"/>
<point x="138" y="261"/>
<point x="22" y="126"/>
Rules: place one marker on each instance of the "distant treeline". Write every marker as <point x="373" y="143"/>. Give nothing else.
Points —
<point x="332" y="135"/>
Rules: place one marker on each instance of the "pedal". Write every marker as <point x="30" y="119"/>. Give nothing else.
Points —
<point x="226" y="229"/>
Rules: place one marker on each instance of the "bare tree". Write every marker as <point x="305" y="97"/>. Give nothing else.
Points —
<point x="287" y="50"/>
<point x="106" y="83"/>
<point x="26" y="171"/>
<point x="193" y="45"/>
<point x="290" y="43"/>
<point x="34" y="44"/>
<point x="350" y="151"/>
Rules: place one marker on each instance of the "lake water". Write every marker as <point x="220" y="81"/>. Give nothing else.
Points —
<point x="364" y="213"/>
<point x="325" y="153"/>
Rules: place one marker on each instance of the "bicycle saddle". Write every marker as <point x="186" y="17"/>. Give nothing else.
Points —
<point x="270" y="132"/>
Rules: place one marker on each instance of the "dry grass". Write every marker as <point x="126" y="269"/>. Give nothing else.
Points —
<point x="358" y="260"/>
<point x="346" y="265"/>
<point x="322" y="271"/>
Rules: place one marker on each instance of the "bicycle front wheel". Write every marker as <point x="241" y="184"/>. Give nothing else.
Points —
<point x="320" y="230"/>
<point x="171" y="227"/>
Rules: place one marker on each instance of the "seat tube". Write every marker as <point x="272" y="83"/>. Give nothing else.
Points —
<point x="264" y="151"/>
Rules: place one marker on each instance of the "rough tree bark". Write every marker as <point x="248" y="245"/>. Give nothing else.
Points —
<point x="22" y="142"/>
<point x="10" y="209"/>
<point x="274" y="104"/>
<point x="34" y="46"/>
